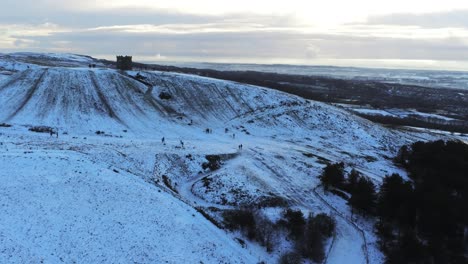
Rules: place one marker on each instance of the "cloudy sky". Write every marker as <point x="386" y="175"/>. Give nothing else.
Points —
<point x="379" y="33"/>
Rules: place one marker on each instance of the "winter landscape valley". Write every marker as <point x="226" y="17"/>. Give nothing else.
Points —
<point x="100" y="165"/>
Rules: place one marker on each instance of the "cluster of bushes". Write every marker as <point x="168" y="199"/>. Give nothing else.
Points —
<point x="362" y="190"/>
<point x="214" y="162"/>
<point x="421" y="220"/>
<point x="165" y="96"/>
<point x="42" y="129"/>
<point x="307" y="234"/>
<point x="168" y="183"/>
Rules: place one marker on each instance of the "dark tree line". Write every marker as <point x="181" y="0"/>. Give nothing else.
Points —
<point x="430" y="212"/>
<point x="307" y="234"/>
<point x="451" y="126"/>
<point x="420" y="220"/>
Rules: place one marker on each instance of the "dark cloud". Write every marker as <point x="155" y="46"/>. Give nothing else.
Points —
<point x="455" y="18"/>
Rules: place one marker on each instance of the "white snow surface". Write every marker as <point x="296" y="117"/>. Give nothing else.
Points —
<point x="59" y="206"/>
<point x="91" y="198"/>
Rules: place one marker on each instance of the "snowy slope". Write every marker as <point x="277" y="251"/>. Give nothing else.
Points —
<point x="58" y="206"/>
<point x="75" y="99"/>
<point x="22" y="60"/>
<point x="103" y="198"/>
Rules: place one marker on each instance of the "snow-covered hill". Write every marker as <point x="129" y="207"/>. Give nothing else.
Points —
<point x="123" y="195"/>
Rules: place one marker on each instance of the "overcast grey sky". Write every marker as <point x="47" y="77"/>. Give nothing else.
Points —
<point x="415" y="34"/>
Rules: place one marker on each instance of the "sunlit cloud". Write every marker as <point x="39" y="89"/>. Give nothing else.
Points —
<point x="306" y="32"/>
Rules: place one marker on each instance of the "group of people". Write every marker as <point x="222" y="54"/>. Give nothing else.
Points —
<point x="163" y="141"/>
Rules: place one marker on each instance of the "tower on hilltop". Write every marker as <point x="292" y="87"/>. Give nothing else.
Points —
<point x="124" y="63"/>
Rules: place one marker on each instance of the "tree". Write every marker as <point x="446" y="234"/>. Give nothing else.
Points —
<point x="324" y="223"/>
<point x="395" y="199"/>
<point x="265" y="234"/>
<point x="242" y="219"/>
<point x="333" y="175"/>
<point x="402" y="156"/>
<point x="352" y="180"/>
<point x="294" y="222"/>
<point x="313" y="244"/>
<point x="290" y="258"/>
<point x="317" y="229"/>
<point x="363" y="196"/>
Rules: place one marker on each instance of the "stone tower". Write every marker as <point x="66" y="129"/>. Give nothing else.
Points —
<point x="124" y="63"/>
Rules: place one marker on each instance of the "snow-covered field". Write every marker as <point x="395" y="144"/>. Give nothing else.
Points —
<point x="60" y="206"/>
<point x="427" y="78"/>
<point x="125" y="196"/>
<point x="395" y="112"/>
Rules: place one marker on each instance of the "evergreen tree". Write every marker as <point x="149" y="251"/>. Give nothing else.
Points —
<point x="294" y="221"/>
<point x="363" y="196"/>
<point x="312" y="246"/>
<point x="333" y="176"/>
<point x="394" y="198"/>
<point x="352" y="180"/>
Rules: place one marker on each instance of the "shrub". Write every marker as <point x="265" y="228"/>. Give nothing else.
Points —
<point x="42" y="129"/>
<point x="165" y="96"/>
<point x="214" y="162"/>
<point x="168" y="183"/>
<point x="317" y="230"/>
<point x="324" y="223"/>
<point x="312" y="246"/>
<point x="290" y="258"/>
<point x="294" y="222"/>
<point x="265" y="232"/>
<point x="271" y="201"/>
<point x="240" y="219"/>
